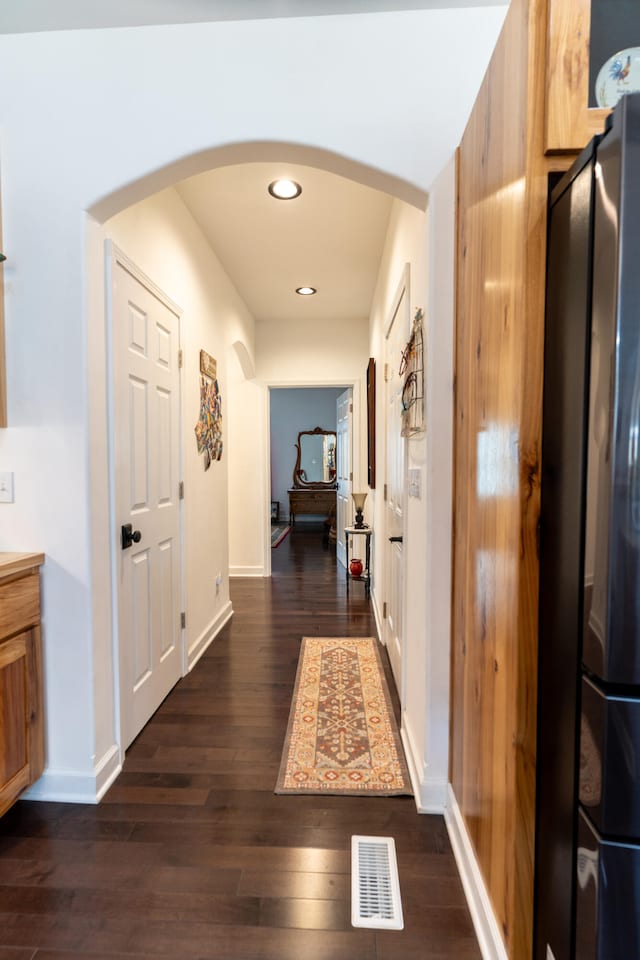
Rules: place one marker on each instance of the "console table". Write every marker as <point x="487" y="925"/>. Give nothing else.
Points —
<point x="301" y="501"/>
<point x="365" y="576"/>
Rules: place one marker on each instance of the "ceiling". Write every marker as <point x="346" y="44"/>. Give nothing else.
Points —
<point x="330" y="237"/>
<point x="26" y="16"/>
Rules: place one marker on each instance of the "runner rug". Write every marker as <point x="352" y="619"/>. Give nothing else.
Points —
<point x="279" y="531"/>
<point x="342" y="736"/>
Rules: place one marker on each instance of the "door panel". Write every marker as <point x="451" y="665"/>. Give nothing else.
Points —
<point x="343" y="443"/>
<point x="167" y="611"/>
<point x="396" y="338"/>
<point x="140" y="603"/>
<point x="146" y="459"/>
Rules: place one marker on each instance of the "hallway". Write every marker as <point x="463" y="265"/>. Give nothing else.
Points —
<point x="191" y="855"/>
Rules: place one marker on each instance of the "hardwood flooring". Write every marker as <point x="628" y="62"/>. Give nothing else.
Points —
<point x="191" y="856"/>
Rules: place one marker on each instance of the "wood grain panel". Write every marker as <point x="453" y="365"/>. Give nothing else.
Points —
<point x="19" y="604"/>
<point x="21" y="707"/>
<point x="570" y="123"/>
<point x="14" y="758"/>
<point x="35" y="713"/>
<point x="502" y="197"/>
<point x="13" y="749"/>
<point x="14" y="563"/>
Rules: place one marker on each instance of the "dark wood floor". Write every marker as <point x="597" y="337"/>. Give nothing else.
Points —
<point x="191" y="855"/>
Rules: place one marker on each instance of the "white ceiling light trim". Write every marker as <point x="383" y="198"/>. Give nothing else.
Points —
<point x="284" y="189"/>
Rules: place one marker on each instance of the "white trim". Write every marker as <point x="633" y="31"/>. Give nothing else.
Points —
<point x="266" y="486"/>
<point x="255" y="571"/>
<point x="377" y="617"/>
<point x="209" y="634"/>
<point x="403" y="290"/>
<point x="430" y="795"/>
<point x="72" y="786"/>
<point x="486" y="926"/>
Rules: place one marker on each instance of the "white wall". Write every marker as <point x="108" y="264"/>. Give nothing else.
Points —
<point x="332" y="353"/>
<point x="161" y="237"/>
<point x="249" y="546"/>
<point x="119" y="114"/>
<point x="440" y="329"/>
<point x="424" y="241"/>
<point x="406" y="243"/>
<point x="287" y="355"/>
<point x="293" y="410"/>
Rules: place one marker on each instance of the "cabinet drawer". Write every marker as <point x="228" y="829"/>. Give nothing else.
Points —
<point x="19" y="604"/>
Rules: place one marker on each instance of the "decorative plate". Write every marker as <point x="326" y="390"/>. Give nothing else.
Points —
<point x="619" y="75"/>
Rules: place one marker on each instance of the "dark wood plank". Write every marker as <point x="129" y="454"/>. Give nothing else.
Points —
<point x="191" y="854"/>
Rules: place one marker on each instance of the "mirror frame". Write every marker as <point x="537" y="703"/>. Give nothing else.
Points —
<point x="298" y="482"/>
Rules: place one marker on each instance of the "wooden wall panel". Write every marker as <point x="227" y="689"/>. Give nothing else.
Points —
<point x="491" y="272"/>
<point x="570" y="123"/>
<point x="502" y="196"/>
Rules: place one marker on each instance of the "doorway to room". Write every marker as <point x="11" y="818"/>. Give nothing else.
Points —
<point x="308" y="467"/>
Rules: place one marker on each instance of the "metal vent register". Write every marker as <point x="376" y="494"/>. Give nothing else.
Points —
<point x="375" y="888"/>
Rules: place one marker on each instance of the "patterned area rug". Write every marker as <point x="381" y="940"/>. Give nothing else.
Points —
<point x="278" y="533"/>
<point x="342" y="736"/>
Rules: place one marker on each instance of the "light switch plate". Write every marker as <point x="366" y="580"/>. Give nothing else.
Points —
<point x="414" y="482"/>
<point x="6" y="487"/>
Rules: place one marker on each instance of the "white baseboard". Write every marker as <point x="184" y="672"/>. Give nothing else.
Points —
<point x="209" y="634"/>
<point x="429" y="793"/>
<point x="69" y="786"/>
<point x="376" y="614"/>
<point x="246" y="571"/>
<point x="484" y="920"/>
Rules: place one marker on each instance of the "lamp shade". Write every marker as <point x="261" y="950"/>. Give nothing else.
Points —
<point x="359" y="499"/>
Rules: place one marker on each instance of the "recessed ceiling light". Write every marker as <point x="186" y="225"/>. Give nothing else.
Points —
<point x="285" y="189"/>
<point x="306" y="291"/>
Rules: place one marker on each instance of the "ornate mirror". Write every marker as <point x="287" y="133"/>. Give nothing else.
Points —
<point x="316" y="460"/>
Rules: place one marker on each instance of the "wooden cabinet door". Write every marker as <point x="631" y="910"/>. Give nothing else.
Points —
<point x="21" y="754"/>
<point x="570" y="123"/>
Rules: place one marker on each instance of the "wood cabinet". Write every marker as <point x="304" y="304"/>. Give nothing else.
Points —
<point x="21" y="713"/>
<point x="581" y="35"/>
<point x="310" y="502"/>
<point x="569" y="122"/>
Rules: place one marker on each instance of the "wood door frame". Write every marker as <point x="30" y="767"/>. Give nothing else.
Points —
<point x="403" y="289"/>
<point x="358" y="398"/>
<point x="114" y="255"/>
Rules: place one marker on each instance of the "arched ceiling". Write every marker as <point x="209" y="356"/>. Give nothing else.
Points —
<point x="330" y="237"/>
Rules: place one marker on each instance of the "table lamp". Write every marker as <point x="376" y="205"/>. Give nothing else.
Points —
<point x="359" y="499"/>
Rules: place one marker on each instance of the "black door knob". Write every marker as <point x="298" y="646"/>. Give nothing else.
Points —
<point x="395" y="539"/>
<point x="128" y="535"/>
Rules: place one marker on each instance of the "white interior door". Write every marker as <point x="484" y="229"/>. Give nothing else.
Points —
<point x="344" y="417"/>
<point x="146" y="445"/>
<point x="396" y="338"/>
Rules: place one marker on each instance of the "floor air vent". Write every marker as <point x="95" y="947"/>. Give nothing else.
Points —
<point x="375" y="888"/>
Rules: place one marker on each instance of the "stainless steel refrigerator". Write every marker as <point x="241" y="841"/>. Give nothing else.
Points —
<point x="587" y="870"/>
